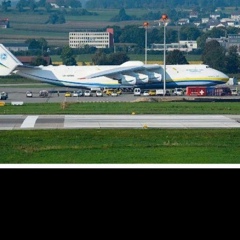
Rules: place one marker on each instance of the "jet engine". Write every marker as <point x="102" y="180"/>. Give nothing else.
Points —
<point x="127" y="79"/>
<point x="141" y="78"/>
<point x="153" y="76"/>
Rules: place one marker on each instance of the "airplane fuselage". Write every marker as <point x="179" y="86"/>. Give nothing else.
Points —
<point x="130" y="74"/>
<point x="176" y="76"/>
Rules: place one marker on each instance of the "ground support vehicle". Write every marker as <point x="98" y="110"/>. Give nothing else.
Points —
<point x="152" y="92"/>
<point x="43" y="93"/>
<point x="78" y="93"/>
<point x="87" y="93"/>
<point x="208" y="91"/>
<point x="234" y="92"/>
<point x="68" y="94"/>
<point x="3" y="96"/>
<point x="137" y="92"/>
<point x="99" y="93"/>
<point x="159" y="92"/>
<point x="29" y="94"/>
<point x="178" y="92"/>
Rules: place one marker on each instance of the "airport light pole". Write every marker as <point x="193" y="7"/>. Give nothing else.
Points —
<point x="145" y="25"/>
<point x="164" y="21"/>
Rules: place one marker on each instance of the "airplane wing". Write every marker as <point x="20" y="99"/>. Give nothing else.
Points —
<point x="22" y="67"/>
<point x="122" y="70"/>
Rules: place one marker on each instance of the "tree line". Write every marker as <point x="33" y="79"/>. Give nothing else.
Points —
<point x="162" y="4"/>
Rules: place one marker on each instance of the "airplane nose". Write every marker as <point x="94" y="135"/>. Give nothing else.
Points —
<point x="222" y="76"/>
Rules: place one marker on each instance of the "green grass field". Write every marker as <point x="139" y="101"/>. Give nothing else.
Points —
<point x="146" y="146"/>
<point x="27" y="25"/>
<point x="133" y="146"/>
<point x="124" y="108"/>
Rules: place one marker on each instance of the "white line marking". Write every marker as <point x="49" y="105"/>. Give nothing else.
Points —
<point x="29" y="122"/>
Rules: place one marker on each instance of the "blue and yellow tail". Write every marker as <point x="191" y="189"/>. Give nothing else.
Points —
<point x="8" y="62"/>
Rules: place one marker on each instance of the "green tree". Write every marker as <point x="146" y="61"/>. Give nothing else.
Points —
<point x="39" y="61"/>
<point x="43" y="42"/>
<point x="73" y="3"/>
<point x="189" y="33"/>
<point x="232" y="62"/>
<point x="101" y="58"/>
<point x="122" y="16"/>
<point x="176" y="57"/>
<point x="40" y="44"/>
<point x="20" y="5"/>
<point x="6" y="5"/>
<point x="68" y="57"/>
<point x="214" y="55"/>
<point x="56" y="18"/>
<point x="33" y="44"/>
<point x="117" y="58"/>
<point x="31" y="4"/>
<point x="133" y="34"/>
<point x="41" y="3"/>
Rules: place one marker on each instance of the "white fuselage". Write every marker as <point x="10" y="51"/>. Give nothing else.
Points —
<point x="176" y="75"/>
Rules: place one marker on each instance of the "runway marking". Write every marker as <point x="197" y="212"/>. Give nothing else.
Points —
<point x="29" y="122"/>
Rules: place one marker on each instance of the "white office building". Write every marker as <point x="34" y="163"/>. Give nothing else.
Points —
<point x="92" y="39"/>
<point x="183" y="46"/>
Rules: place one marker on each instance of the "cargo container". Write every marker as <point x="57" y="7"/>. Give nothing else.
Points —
<point x="219" y="91"/>
<point x="208" y="91"/>
<point x="196" y="91"/>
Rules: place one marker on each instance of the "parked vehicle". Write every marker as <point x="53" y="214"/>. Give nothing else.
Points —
<point x="87" y="93"/>
<point x="78" y="93"/>
<point x="178" y="92"/>
<point x="29" y="94"/>
<point x="68" y="94"/>
<point x="119" y="91"/>
<point x="114" y="93"/>
<point x="208" y="91"/>
<point x="108" y="91"/>
<point x="99" y="93"/>
<point x="43" y="93"/>
<point x="145" y="93"/>
<point x="3" y="96"/>
<point x="196" y="91"/>
<point x="137" y="91"/>
<point x="152" y="92"/>
<point x="234" y="92"/>
<point x="160" y="92"/>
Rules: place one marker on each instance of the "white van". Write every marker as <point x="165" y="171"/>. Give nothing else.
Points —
<point x="178" y="92"/>
<point x="137" y="91"/>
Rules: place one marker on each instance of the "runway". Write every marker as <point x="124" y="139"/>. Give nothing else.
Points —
<point x="31" y="122"/>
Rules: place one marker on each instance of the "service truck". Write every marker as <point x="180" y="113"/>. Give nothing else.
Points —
<point x="208" y="91"/>
<point x="160" y="92"/>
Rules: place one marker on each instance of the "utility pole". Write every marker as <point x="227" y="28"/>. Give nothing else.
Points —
<point x="164" y="21"/>
<point x="145" y="25"/>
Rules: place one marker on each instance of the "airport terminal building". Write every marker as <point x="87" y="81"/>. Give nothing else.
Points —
<point x="92" y="39"/>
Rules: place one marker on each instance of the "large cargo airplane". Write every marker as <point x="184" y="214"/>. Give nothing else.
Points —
<point x="130" y="74"/>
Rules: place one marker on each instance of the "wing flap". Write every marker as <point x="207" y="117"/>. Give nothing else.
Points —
<point x="27" y="67"/>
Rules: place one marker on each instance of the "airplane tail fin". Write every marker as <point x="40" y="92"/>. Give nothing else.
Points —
<point x="8" y="62"/>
